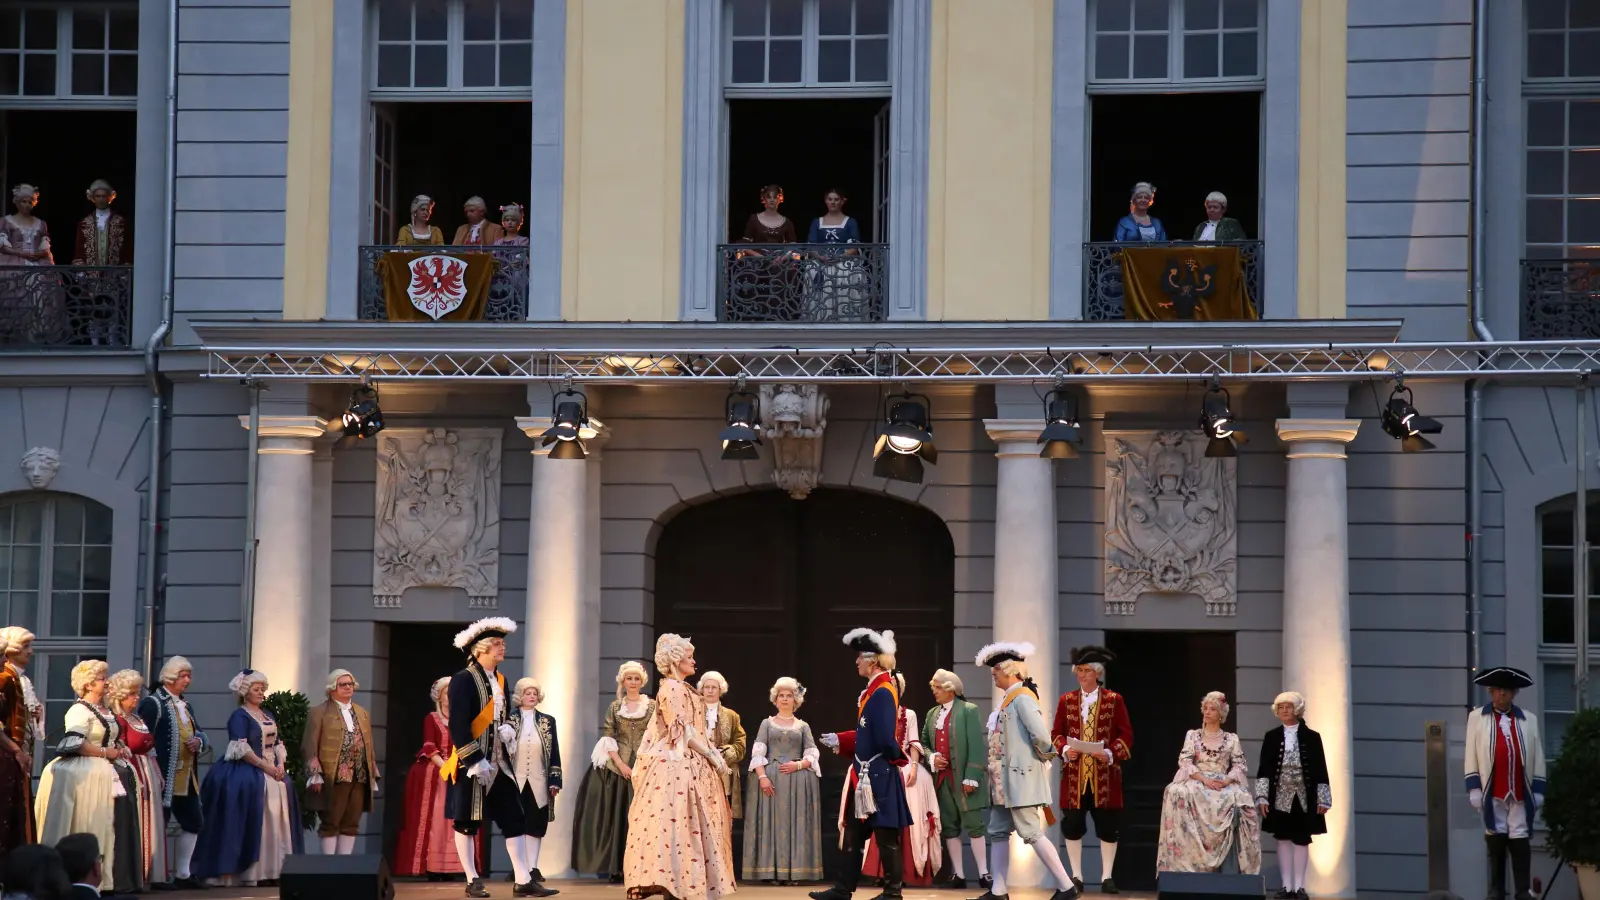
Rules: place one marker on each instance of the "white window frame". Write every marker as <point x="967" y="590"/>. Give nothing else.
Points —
<point x="1175" y="34"/>
<point x="1567" y="81"/>
<point x="1567" y="195"/>
<point x="810" y="38"/>
<point x="64" y="54"/>
<point x="1562" y="655"/>
<point x="456" y="45"/>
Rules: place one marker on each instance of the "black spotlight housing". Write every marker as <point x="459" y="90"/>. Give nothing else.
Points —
<point x="1062" y="432"/>
<point x="363" y="418"/>
<point x="1402" y="422"/>
<point x="742" y="434"/>
<point x="1216" y="420"/>
<point x="566" y="426"/>
<point x="905" y="440"/>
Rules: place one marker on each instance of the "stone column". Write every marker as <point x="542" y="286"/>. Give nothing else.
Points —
<point x="561" y="624"/>
<point x="320" y="659"/>
<point x="1026" y="599"/>
<point x="284" y="625"/>
<point x="1316" y="626"/>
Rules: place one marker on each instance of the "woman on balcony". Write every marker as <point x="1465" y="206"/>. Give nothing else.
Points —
<point x="765" y="288"/>
<point x="1138" y="224"/>
<point x="418" y="232"/>
<point x="511" y="218"/>
<point x="1218" y="227"/>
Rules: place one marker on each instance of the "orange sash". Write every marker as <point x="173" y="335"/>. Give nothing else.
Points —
<point x="480" y="724"/>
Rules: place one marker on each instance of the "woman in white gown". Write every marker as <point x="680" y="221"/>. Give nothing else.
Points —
<point x="78" y="790"/>
<point x="921" y="847"/>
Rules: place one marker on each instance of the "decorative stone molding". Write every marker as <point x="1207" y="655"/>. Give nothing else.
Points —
<point x="287" y="435"/>
<point x="1317" y="437"/>
<point x="40" y="466"/>
<point x="793" y="418"/>
<point x="437" y="516"/>
<point x="1171" y="521"/>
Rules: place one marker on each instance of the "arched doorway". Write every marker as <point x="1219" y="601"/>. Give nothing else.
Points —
<point x="767" y="586"/>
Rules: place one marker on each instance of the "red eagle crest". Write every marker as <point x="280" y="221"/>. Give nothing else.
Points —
<point x="438" y="284"/>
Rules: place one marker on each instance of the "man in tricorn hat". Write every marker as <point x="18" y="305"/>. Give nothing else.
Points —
<point x="1505" y="777"/>
<point x="1091" y="784"/>
<point x="874" y="801"/>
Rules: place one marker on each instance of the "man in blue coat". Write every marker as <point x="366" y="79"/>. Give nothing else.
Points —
<point x="874" y="801"/>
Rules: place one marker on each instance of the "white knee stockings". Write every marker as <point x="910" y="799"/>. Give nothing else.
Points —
<point x="1046" y="851"/>
<point x="466" y="852"/>
<point x="185" y="852"/>
<point x="980" y="855"/>
<point x="1293" y="860"/>
<point x="957" y="857"/>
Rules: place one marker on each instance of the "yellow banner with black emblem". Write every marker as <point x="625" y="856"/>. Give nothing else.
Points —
<point x="1203" y="283"/>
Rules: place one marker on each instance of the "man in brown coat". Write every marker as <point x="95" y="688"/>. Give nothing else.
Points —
<point x="343" y="772"/>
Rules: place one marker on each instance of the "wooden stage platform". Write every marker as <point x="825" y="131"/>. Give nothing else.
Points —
<point x="598" y="890"/>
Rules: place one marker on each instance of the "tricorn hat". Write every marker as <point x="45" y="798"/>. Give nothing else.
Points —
<point x="865" y="640"/>
<point x="1003" y="651"/>
<point x="493" y="627"/>
<point x="1505" y="677"/>
<point x="1082" y="656"/>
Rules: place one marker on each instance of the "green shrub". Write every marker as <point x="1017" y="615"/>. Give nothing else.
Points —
<point x="291" y="709"/>
<point x="1572" y="797"/>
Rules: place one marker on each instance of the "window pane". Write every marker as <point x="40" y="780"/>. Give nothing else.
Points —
<point x="394" y="20"/>
<point x="784" y="62"/>
<point x="5" y="568"/>
<point x="124" y="80"/>
<point x="1200" y="56"/>
<point x="516" y="20"/>
<point x="88" y="74"/>
<point x="1546" y="13"/>
<point x="516" y="65"/>
<point x="1198" y="14"/>
<point x="432" y="20"/>
<point x="1113" y="15"/>
<point x="1583" y="221"/>
<point x="64" y="614"/>
<point x="1556" y="627"/>
<point x="1547" y="124"/>
<point x="787" y="16"/>
<point x="89" y="30"/>
<point x="39" y="29"/>
<point x="11" y="29"/>
<point x="1583" y="176"/>
<point x="96" y="615"/>
<point x="1544" y="224"/>
<point x="1583" y="14"/>
<point x="66" y="569"/>
<point x="749" y="62"/>
<point x="1555" y="725"/>
<point x="69" y="522"/>
<point x="25" y="568"/>
<point x="39" y="74"/>
<point x="478" y="65"/>
<point x="872" y="60"/>
<point x="1544" y="177"/>
<point x="1594" y="622"/>
<point x="1547" y="55"/>
<point x="96" y="569"/>
<point x="27" y="521"/>
<point x="872" y="16"/>
<point x="478" y="19"/>
<point x="1111" y="57"/>
<point x="1150" y="15"/>
<point x="1556" y="572"/>
<point x="10" y="74"/>
<point x="1239" y="13"/>
<point x="1584" y="123"/>
<point x="1556" y="528"/>
<point x="124" y="29"/>
<point x="1239" y="54"/>
<point x="1582" y="58"/>
<point x="394" y="65"/>
<point x="25" y="609"/>
<point x="1149" y="56"/>
<point x="833" y="16"/>
<point x="833" y="61"/>
<point x="749" y="18"/>
<point x="432" y="62"/>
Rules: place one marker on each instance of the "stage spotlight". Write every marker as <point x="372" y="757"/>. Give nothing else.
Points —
<point x="1216" y="420"/>
<point x="1402" y="422"/>
<point x="364" y="418"/>
<point x="1061" y="429"/>
<point x="741" y="437"/>
<point x="566" y="424"/>
<point x="905" y="440"/>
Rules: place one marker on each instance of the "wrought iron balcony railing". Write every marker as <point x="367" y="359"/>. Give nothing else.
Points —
<point x="52" y="307"/>
<point x="1560" y="299"/>
<point x="508" y="286"/>
<point x="802" y="282"/>
<point x="1102" y="274"/>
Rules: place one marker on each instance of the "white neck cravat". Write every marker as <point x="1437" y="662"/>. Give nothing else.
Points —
<point x="711" y="721"/>
<point x="349" y="714"/>
<point x="944" y="713"/>
<point x="1090" y="698"/>
<point x="1291" y="737"/>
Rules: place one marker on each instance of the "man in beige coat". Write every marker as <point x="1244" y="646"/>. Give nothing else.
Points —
<point x="727" y="735"/>
<point x="343" y="772"/>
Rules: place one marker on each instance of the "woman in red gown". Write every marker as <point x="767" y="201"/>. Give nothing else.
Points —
<point x="425" y="846"/>
<point x="124" y="688"/>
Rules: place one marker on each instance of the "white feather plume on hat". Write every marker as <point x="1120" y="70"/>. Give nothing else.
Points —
<point x="861" y="638"/>
<point x="1000" y="651"/>
<point x="466" y="636"/>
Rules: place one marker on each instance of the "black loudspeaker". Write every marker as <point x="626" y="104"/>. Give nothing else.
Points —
<point x="1206" y="886"/>
<point x="307" y="877"/>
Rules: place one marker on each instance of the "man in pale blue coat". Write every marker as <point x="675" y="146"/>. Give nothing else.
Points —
<point x="1020" y="752"/>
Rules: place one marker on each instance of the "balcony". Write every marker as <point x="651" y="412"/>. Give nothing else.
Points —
<point x="61" y="307"/>
<point x="1560" y="299"/>
<point x="1103" y="289"/>
<point x="508" y="286"/>
<point x="802" y="282"/>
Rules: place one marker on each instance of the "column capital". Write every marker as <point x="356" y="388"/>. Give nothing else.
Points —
<point x="1008" y="433"/>
<point x="593" y="435"/>
<point x="287" y="434"/>
<point x="1321" y="437"/>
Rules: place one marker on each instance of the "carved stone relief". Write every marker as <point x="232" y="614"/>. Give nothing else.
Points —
<point x="437" y="521"/>
<point x="1171" y="521"/>
<point x="40" y="466"/>
<point x="793" y="418"/>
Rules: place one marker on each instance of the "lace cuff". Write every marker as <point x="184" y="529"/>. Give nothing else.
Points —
<point x="970" y="783"/>
<point x="1324" y="796"/>
<point x="71" y="742"/>
<point x="117" y="790"/>
<point x="813" y="756"/>
<point x="758" y="755"/>
<point x="1262" y="784"/>
<point x="236" y="750"/>
<point x="831" y="741"/>
<point x="603" y="749"/>
<point x="316" y="778"/>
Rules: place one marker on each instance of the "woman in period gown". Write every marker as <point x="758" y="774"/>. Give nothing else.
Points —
<point x="1208" y="818"/>
<point x="1292" y="791"/>
<point x="783" y="813"/>
<point x="921" y="847"/>
<point x="680" y="828"/>
<point x="426" y="846"/>
<point x="838" y="273"/>
<point x="600" y="824"/>
<point x="79" y="788"/>
<point x="764" y="282"/>
<point x="25" y="242"/>
<point x="418" y="232"/>
<point x="252" y="815"/>
<point x="141" y="829"/>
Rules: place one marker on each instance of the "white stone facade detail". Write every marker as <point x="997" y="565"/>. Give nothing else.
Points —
<point x="793" y="419"/>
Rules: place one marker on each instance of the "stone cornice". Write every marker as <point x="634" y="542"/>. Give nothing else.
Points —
<point x="1014" y="431"/>
<point x="1340" y="431"/>
<point x="304" y="427"/>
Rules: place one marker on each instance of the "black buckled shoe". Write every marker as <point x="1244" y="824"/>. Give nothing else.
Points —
<point x="532" y="889"/>
<point x="476" y="889"/>
<point x="1067" y="894"/>
<point x="833" y="893"/>
<point x="986" y="882"/>
<point x="1107" y="886"/>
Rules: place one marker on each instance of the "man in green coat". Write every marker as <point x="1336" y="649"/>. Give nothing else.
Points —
<point x="953" y="733"/>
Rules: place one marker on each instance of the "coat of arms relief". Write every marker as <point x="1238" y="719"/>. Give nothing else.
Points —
<point x="437" y="520"/>
<point x="1171" y="522"/>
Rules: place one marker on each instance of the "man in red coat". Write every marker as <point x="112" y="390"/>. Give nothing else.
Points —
<point x="1091" y="784"/>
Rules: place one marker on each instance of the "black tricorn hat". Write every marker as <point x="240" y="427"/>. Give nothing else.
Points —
<point x="1505" y="677"/>
<point x="1092" y="654"/>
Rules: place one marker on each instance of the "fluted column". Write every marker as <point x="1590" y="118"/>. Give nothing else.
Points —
<point x="284" y="626"/>
<point x="1316" y="626"/>
<point x="561" y="624"/>
<point x="1026" y="599"/>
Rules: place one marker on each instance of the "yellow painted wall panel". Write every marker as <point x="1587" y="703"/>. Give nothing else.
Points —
<point x="305" y="243"/>
<point x="1321" y="282"/>
<point x="622" y="189"/>
<point x="989" y="160"/>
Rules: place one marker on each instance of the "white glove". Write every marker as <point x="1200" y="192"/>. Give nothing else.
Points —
<point x="508" y="734"/>
<point x="1110" y="759"/>
<point x="483" y="771"/>
<point x="1475" y="797"/>
<point x="831" y="741"/>
<point x="1538" y="800"/>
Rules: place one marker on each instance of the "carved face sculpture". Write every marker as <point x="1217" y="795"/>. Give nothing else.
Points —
<point x="40" y="465"/>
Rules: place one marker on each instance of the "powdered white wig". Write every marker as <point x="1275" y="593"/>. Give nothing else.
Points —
<point x="24" y="190"/>
<point x="1217" y="196"/>
<point x="1220" y="699"/>
<point x="86" y="673"/>
<point x="12" y="637"/>
<point x="714" y="677"/>
<point x="100" y="184"/>
<point x="1294" y="698"/>
<point x="631" y="667"/>
<point x="122" y="684"/>
<point x="420" y="202"/>
<point x="240" y="683"/>
<point x="672" y="649"/>
<point x="174" y="669"/>
<point x="439" y="689"/>
<point x="333" y="680"/>
<point x="1144" y="187"/>
<point x="475" y="201"/>
<point x="787" y="684"/>
<point x="523" y="684"/>
<point x="946" y="680"/>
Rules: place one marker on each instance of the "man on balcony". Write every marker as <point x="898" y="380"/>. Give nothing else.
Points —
<point x="1218" y="227"/>
<point x="103" y="237"/>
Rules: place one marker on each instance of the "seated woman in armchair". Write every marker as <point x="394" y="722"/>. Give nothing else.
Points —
<point x="1209" y="821"/>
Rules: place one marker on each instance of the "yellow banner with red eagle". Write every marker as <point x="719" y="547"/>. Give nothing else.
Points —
<point x="435" y="285"/>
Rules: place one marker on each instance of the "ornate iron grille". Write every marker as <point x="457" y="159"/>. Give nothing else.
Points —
<point x="508" y="287"/>
<point x="1560" y="299"/>
<point x="802" y="282"/>
<point x="1102" y="274"/>
<point x="46" y="307"/>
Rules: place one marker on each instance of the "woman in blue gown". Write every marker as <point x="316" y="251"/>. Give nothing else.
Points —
<point x="1138" y="224"/>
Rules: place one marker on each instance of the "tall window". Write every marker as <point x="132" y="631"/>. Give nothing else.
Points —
<point x="808" y="43"/>
<point x="434" y="46"/>
<point x="1176" y="41"/>
<point x="56" y="51"/>
<point x="1563" y="39"/>
<point x="1561" y="87"/>
<point x="1557" y="625"/>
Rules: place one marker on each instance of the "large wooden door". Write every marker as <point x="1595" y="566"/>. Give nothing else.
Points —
<point x="767" y="586"/>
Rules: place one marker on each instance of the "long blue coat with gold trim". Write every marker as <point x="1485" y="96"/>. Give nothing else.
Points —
<point x="874" y="740"/>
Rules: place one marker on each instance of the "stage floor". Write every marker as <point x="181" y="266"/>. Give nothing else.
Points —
<point x="595" y="890"/>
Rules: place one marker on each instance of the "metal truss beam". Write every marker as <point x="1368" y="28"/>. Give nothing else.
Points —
<point x="1544" y="361"/>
